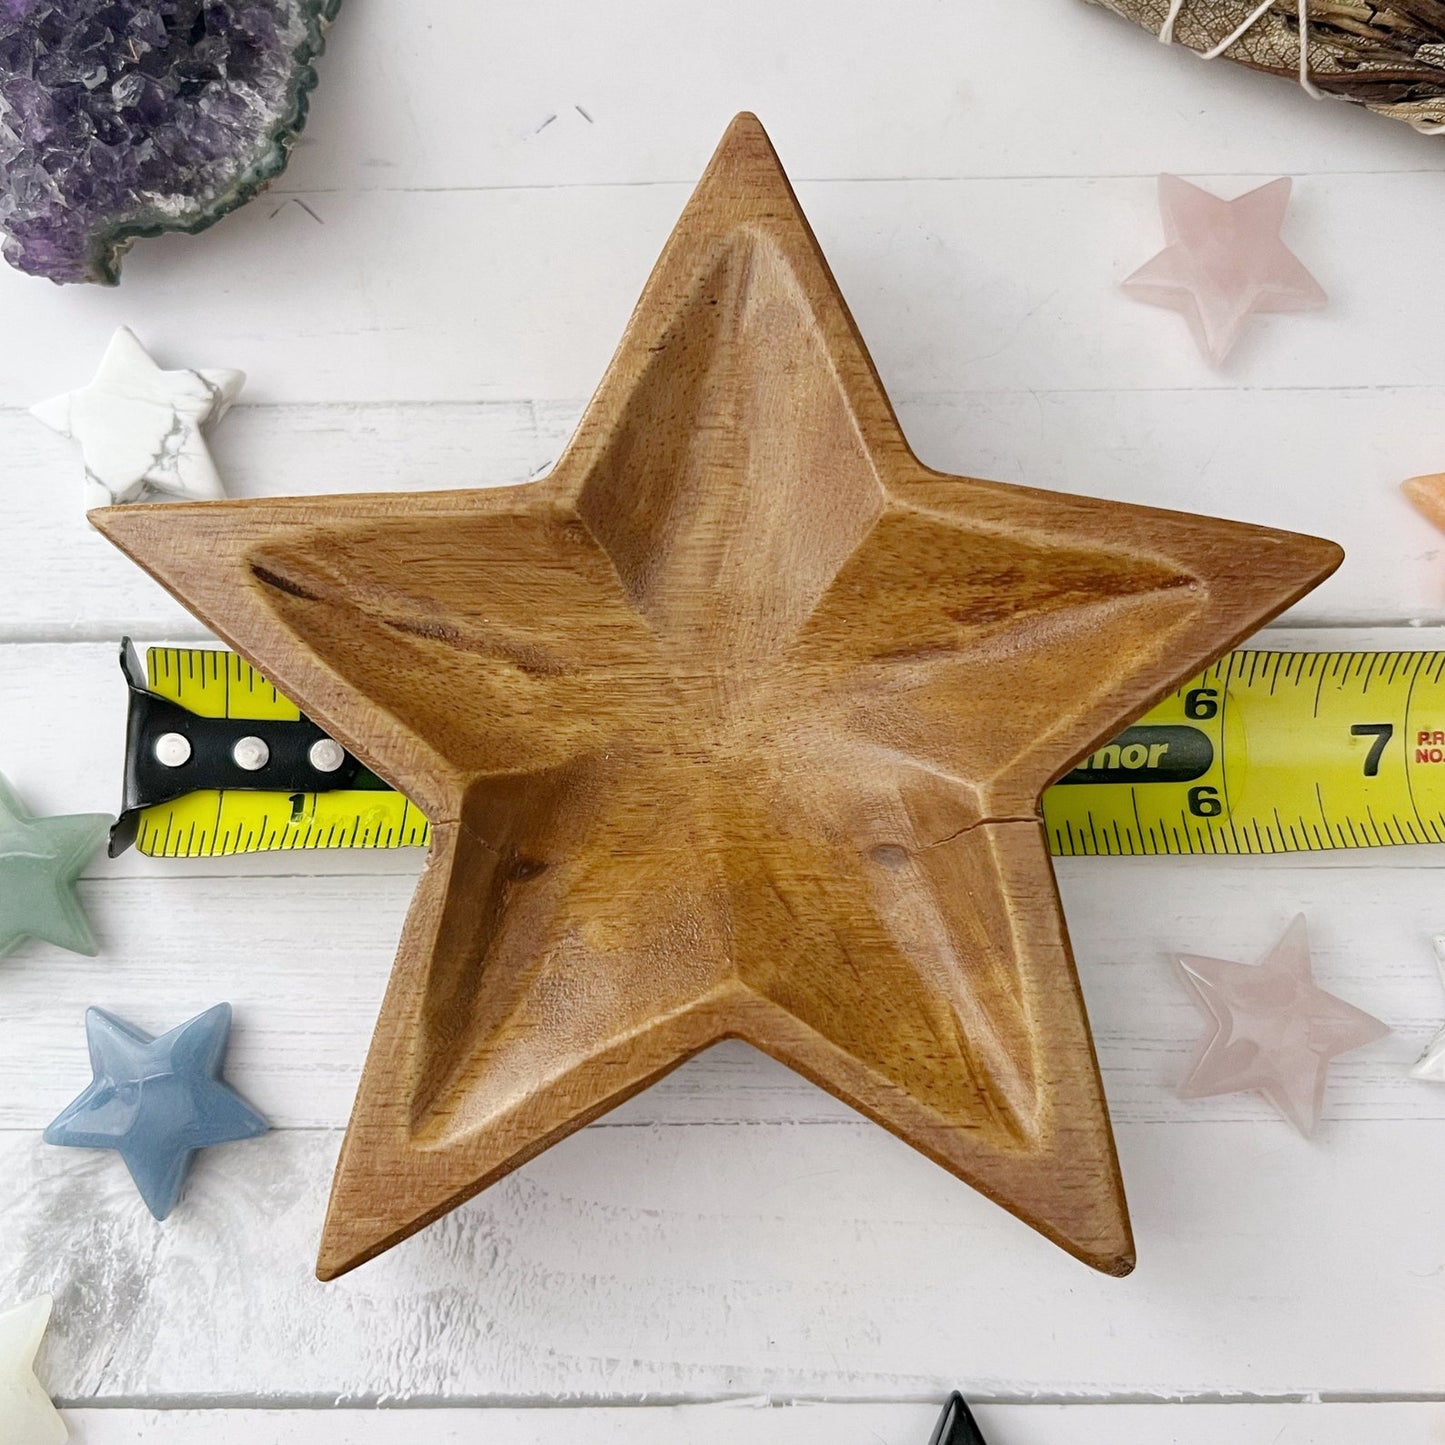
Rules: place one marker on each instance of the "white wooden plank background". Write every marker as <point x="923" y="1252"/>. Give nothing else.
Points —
<point x="760" y="1424"/>
<point x="490" y="184"/>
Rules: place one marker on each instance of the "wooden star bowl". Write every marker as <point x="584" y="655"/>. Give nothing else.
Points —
<point x="733" y="726"/>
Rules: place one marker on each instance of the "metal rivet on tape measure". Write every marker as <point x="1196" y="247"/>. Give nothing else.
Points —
<point x="251" y="753"/>
<point x="173" y="750"/>
<point x="326" y="755"/>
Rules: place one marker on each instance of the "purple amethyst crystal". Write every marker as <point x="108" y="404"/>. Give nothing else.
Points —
<point x="126" y="118"/>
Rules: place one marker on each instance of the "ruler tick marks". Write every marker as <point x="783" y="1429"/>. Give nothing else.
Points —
<point x="1239" y="760"/>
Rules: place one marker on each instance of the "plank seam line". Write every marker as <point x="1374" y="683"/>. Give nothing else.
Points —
<point x="45" y="635"/>
<point x="654" y="1401"/>
<point x="688" y="182"/>
<point x="900" y="399"/>
<point x="1123" y="1118"/>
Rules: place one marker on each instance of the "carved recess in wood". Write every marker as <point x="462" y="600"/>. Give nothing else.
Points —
<point x="733" y="726"/>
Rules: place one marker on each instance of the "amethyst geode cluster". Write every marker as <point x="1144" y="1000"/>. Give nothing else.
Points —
<point x="125" y="118"/>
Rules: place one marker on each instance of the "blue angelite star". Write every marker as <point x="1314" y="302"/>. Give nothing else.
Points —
<point x="40" y="860"/>
<point x="155" y="1101"/>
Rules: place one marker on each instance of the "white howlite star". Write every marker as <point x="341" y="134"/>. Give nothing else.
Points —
<point x="139" y="428"/>
<point x="1431" y="1064"/>
<point x="26" y="1415"/>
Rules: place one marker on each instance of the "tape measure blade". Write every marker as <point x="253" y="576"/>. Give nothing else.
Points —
<point x="1264" y="752"/>
<point x="1310" y="751"/>
<point x="222" y="824"/>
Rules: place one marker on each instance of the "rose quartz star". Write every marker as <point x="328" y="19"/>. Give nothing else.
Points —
<point x="1427" y="495"/>
<point x="1224" y="261"/>
<point x="1273" y="1028"/>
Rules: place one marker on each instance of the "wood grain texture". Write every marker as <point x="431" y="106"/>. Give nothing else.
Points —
<point x="978" y="241"/>
<point x="759" y="1422"/>
<point x="803" y="1260"/>
<point x="1317" y="459"/>
<point x="1009" y="305"/>
<point x="716" y="725"/>
<point x="945" y="76"/>
<point x="497" y="99"/>
<point x="304" y="960"/>
<point x="62" y="742"/>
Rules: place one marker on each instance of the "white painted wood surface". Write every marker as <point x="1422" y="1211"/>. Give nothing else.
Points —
<point x="761" y="1423"/>
<point x="487" y="187"/>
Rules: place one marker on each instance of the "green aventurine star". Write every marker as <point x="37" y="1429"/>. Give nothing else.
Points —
<point x="40" y="860"/>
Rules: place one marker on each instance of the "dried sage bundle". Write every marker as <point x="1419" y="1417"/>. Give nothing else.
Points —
<point x="1389" y="57"/>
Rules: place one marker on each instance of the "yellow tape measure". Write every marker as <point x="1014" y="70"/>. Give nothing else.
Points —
<point x="1269" y="752"/>
<point x="1265" y="752"/>
<point x="212" y="823"/>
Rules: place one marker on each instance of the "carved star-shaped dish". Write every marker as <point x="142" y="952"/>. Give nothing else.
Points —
<point x="733" y="726"/>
